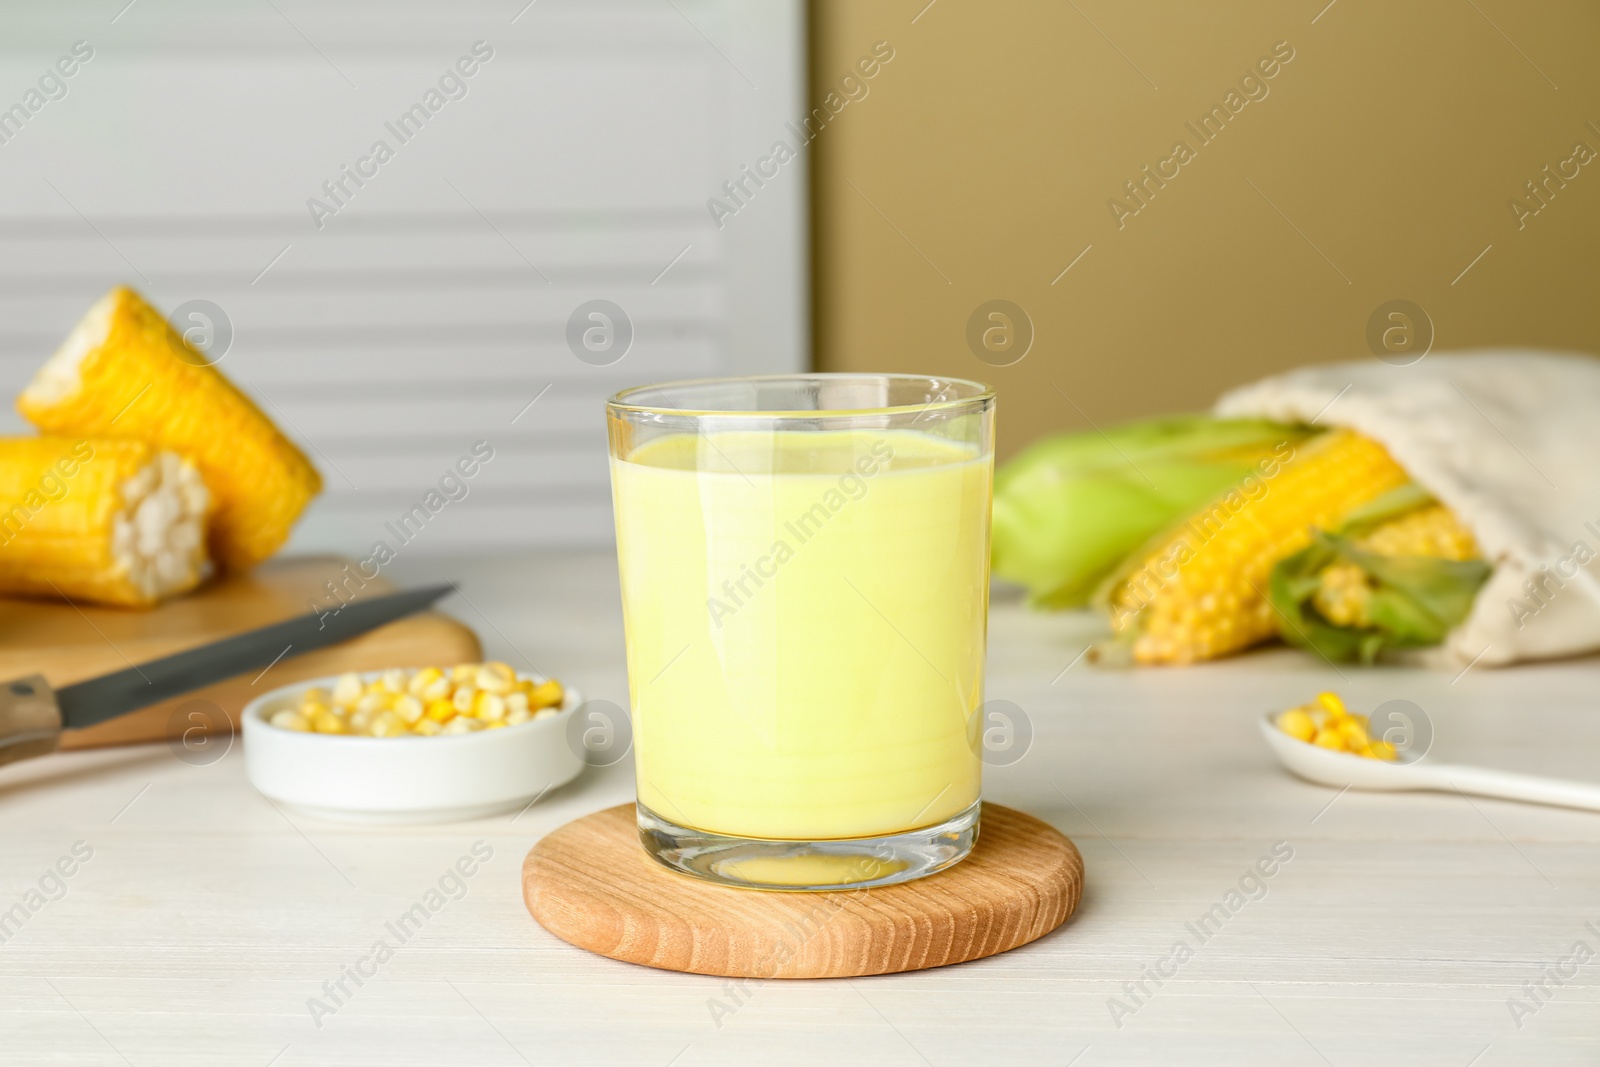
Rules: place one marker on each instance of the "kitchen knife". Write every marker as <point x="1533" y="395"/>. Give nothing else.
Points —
<point x="33" y="713"/>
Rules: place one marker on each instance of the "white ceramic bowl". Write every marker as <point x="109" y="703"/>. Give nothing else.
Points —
<point x="400" y="780"/>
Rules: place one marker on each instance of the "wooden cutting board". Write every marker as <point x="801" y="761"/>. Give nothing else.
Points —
<point x="591" y="884"/>
<point x="67" y="643"/>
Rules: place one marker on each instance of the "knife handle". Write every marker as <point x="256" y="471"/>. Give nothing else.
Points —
<point x="30" y="719"/>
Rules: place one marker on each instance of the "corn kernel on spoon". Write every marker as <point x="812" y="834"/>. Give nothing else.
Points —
<point x="1345" y="770"/>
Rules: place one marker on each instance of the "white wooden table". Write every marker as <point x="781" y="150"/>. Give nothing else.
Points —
<point x="1396" y="934"/>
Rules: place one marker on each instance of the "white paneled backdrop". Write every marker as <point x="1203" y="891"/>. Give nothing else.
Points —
<point x="432" y="308"/>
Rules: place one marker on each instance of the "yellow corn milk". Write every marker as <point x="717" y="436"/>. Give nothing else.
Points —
<point x="805" y="616"/>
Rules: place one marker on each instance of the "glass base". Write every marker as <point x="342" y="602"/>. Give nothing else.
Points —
<point x="810" y="866"/>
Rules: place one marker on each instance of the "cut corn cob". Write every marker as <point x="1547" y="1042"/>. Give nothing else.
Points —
<point x="1433" y="531"/>
<point x="116" y="522"/>
<point x="124" y="372"/>
<point x="1202" y="592"/>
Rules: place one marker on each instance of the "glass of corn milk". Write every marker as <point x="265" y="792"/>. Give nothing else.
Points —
<point x="805" y="577"/>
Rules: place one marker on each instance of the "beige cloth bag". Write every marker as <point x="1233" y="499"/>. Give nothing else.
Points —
<point x="1508" y="439"/>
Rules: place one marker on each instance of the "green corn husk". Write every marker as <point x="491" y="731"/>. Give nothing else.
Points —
<point x="1417" y="602"/>
<point x="1070" y="508"/>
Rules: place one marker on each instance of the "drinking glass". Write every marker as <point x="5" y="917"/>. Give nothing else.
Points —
<point x="805" y="583"/>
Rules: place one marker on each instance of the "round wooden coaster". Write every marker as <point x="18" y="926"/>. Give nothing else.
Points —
<point x="591" y="884"/>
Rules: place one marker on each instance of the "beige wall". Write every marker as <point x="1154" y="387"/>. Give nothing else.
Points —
<point x="981" y="159"/>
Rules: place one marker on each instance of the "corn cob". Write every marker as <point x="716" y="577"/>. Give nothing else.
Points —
<point x="1202" y="592"/>
<point x="1433" y="531"/>
<point x="116" y="522"/>
<point x="125" y="373"/>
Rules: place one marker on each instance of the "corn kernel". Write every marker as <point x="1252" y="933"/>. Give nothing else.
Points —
<point x="427" y="728"/>
<point x="463" y="673"/>
<point x="386" y="724"/>
<point x="1297" y="724"/>
<point x="348" y="690"/>
<point x="517" y="700"/>
<point x="316" y="696"/>
<point x="500" y="725"/>
<point x="518" y="715"/>
<point x="359" y="719"/>
<point x="546" y="695"/>
<point x="408" y="708"/>
<point x="545" y="713"/>
<point x="1332" y="704"/>
<point x="490" y="707"/>
<point x="1354" y="736"/>
<point x="394" y="680"/>
<point x="1329" y="738"/>
<point x="422" y="679"/>
<point x="371" y="703"/>
<point x="1381" y="750"/>
<point x="440" y="711"/>
<point x="312" y="708"/>
<point x="328" y="722"/>
<point x="495" y="678"/>
<point x="289" y="719"/>
<point x="464" y="699"/>
<point x="461" y="724"/>
<point x="438" y="689"/>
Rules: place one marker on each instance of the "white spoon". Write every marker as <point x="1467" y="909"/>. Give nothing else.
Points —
<point x="1341" y="769"/>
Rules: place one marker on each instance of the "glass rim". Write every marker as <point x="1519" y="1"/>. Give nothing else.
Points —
<point x="619" y="402"/>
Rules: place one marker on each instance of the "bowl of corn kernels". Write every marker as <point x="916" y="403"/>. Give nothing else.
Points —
<point x="432" y="744"/>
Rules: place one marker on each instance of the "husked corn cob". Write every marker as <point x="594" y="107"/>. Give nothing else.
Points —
<point x="1202" y="592"/>
<point x="1434" y="531"/>
<point x="117" y="522"/>
<point x="124" y="372"/>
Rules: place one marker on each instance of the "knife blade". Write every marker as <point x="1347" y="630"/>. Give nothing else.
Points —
<point x="33" y="714"/>
<point x="98" y="699"/>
